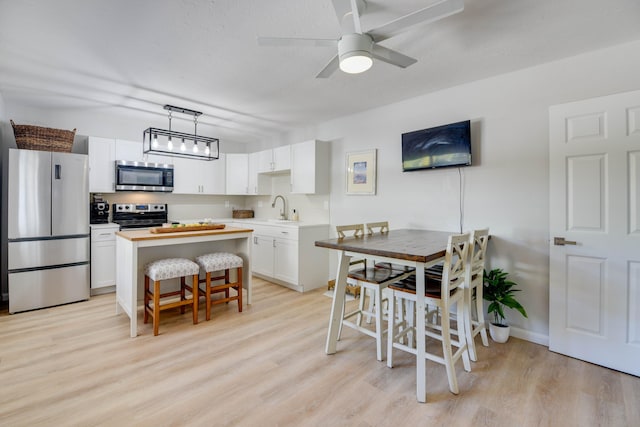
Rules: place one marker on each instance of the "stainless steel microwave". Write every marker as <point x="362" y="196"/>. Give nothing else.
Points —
<point x="143" y="176"/>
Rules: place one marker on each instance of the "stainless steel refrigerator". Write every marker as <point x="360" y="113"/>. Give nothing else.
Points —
<point x="48" y="229"/>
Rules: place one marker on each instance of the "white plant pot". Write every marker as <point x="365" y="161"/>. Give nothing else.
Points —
<point x="499" y="333"/>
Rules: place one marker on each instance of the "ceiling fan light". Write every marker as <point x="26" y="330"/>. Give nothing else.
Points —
<point x="354" y="51"/>
<point x="355" y="62"/>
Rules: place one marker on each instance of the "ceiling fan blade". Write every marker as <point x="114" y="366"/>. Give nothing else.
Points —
<point x="392" y="57"/>
<point x="431" y="13"/>
<point x="292" y="41"/>
<point x="329" y="69"/>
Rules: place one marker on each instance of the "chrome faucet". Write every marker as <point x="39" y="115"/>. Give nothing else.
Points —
<point x="283" y="212"/>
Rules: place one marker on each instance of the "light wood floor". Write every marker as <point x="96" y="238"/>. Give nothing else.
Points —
<point x="76" y="365"/>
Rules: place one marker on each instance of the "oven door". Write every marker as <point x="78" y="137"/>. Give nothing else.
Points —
<point x="131" y="176"/>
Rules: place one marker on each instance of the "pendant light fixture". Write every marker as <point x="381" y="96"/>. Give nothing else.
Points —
<point x="194" y="146"/>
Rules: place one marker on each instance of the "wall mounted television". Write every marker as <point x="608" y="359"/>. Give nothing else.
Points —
<point x="437" y="147"/>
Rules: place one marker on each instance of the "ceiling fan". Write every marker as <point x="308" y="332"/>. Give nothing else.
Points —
<point x="357" y="49"/>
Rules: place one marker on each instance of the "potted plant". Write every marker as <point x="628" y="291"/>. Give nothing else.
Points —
<point x="499" y="292"/>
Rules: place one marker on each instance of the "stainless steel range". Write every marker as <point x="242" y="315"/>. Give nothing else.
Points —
<point x="139" y="215"/>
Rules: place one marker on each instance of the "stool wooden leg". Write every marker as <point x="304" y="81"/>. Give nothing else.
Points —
<point x="208" y="295"/>
<point x="226" y="280"/>
<point x="239" y="270"/>
<point x="183" y="295"/>
<point x="195" y="299"/>
<point x="146" y="299"/>
<point x="156" y="307"/>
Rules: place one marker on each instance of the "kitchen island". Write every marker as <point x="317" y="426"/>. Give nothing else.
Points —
<point x="135" y="248"/>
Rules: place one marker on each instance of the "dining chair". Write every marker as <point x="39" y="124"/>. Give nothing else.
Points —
<point x="371" y="280"/>
<point x="474" y="281"/>
<point x="443" y="295"/>
<point x="473" y="286"/>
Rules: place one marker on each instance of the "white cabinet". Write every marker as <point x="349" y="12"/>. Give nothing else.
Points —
<point x="129" y="150"/>
<point x="310" y="167"/>
<point x="257" y="184"/>
<point x="287" y="255"/>
<point x="102" y="153"/>
<point x="103" y="255"/>
<point x="193" y="176"/>
<point x="274" y="160"/>
<point x="237" y="173"/>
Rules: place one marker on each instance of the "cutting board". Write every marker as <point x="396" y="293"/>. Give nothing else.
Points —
<point x="187" y="228"/>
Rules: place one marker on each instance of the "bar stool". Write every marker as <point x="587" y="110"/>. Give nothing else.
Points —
<point x="446" y="293"/>
<point x="164" y="269"/>
<point x="221" y="261"/>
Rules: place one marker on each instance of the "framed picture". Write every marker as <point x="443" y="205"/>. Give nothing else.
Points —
<point x="361" y="172"/>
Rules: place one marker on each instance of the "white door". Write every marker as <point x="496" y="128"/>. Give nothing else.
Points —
<point x="285" y="260"/>
<point x="262" y="255"/>
<point x="594" y="294"/>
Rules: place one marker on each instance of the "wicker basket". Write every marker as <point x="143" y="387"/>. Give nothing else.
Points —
<point x="242" y="214"/>
<point x="41" y="138"/>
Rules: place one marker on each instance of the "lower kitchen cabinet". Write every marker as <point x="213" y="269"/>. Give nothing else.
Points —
<point x="103" y="256"/>
<point x="287" y="255"/>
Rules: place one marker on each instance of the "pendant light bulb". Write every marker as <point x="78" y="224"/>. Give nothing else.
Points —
<point x="169" y="145"/>
<point x="207" y="150"/>
<point x="183" y="147"/>
<point x="195" y="146"/>
<point x="154" y="144"/>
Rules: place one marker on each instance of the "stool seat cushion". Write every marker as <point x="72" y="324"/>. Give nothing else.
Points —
<point x="171" y="268"/>
<point x="219" y="261"/>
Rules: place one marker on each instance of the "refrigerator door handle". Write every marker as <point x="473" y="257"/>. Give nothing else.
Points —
<point x="58" y="168"/>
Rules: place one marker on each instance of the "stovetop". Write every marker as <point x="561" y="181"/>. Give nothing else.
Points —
<point x="139" y="215"/>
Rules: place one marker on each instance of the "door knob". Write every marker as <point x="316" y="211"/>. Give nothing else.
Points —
<point x="559" y="241"/>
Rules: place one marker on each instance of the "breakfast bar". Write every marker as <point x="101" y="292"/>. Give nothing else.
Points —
<point x="134" y="248"/>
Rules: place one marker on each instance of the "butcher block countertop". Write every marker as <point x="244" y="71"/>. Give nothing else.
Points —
<point x="137" y="235"/>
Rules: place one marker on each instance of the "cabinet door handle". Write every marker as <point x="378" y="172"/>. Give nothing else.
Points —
<point x="274" y="243"/>
<point x="105" y="234"/>
<point x="284" y="232"/>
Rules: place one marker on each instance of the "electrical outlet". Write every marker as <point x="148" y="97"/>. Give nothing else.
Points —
<point x="226" y="203"/>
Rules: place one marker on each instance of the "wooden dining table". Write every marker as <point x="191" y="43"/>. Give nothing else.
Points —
<point x="415" y="248"/>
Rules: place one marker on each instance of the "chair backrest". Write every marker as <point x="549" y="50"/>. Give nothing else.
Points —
<point x="382" y="225"/>
<point x="477" y="254"/>
<point x="357" y="229"/>
<point x="455" y="265"/>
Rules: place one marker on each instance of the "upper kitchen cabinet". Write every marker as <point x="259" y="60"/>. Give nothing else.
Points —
<point x="102" y="153"/>
<point x="275" y="160"/>
<point x="257" y="183"/>
<point x="237" y="173"/>
<point x="129" y="150"/>
<point x="310" y="167"/>
<point x="193" y="176"/>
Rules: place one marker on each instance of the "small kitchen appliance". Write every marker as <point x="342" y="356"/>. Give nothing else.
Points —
<point x="139" y="215"/>
<point x="99" y="213"/>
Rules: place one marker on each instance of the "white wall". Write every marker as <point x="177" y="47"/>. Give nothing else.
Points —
<point x="506" y="189"/>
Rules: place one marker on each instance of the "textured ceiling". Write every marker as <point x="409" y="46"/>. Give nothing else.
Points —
<point x="134" y="56"/>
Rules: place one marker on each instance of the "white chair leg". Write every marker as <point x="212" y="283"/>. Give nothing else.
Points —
<point x="363" y="295"/>
<point x="462" y="336"/>
<point x="446" y="350"/>
<point x="379" y="331"/>
<point x="344" y="305"/>
<point x="391" y="329"/>
<point x="468" y="324"/>
<point x="373" y="303"/>
<point x="480" y="315"/>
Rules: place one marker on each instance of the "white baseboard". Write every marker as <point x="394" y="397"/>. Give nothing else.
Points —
<point x="533" y="337"/>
